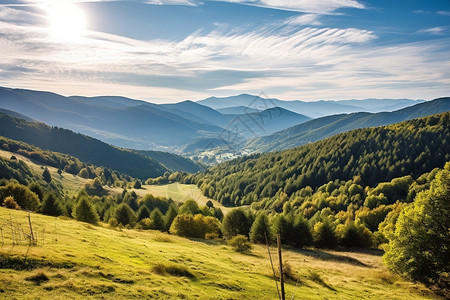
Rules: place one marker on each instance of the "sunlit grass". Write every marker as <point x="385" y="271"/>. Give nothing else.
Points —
<point x="84" y="261"/>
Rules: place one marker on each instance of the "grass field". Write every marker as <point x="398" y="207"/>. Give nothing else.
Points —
<point x="74" y="260"/>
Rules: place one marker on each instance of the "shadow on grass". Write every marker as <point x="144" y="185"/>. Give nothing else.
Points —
<point x="322" y="255"/>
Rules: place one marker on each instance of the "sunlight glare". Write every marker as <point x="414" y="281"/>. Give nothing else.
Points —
<point x="67" y="22"/>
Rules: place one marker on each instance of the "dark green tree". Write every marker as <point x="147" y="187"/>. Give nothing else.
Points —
<point x="302" y="232"/>
<point x="143" y="212"/>
<point x="85" y="211"/>
<point x="157" y="219"/>
<point x="125" y="215"/>
<point x="52" y="206"/>
<point x="171" y="213"/>
<point x="46" y="176"/>
<point x="260" y="229"/>
<point x="324" y="235"/>
<point x="234" y="223"/>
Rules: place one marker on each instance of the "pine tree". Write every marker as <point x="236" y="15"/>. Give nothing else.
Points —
<point x="85" y="211"/>
<point x="171" y="213"/>
<point x="302" y="232"/>
<point x="157" y="219"/>
<point x="46" y="176"/>
<point x="125" y="215"/>
<point x="52" y="206"/>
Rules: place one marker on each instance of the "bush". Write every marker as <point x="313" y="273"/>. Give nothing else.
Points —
<point x="10" y="203"/>
<point x="240" y="243"/>
<point x="25" y="198"/>
<point x="172" y="269"/>
<point x="194" y="226"/>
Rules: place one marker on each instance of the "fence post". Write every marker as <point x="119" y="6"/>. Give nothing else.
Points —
<point x="31" y="230"/>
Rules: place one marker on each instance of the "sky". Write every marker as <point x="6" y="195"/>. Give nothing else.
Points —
<point x="173" y="50"/>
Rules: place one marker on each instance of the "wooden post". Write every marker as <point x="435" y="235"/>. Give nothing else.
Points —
<point x="31" y="229"/>
<point x="283" y="296"/>
<point x="12" y="229"/>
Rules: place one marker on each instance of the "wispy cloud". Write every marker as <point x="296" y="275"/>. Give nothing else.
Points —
<point x="434" y="30"/>
<point x="316" y="6"/>
<point x="305" y="19"/>
<point x="444" y="12"/>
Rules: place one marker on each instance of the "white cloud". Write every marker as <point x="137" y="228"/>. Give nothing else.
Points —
<point x="311" y="6"/>
<point x="434" y="30"/>
<point x="444" y="12"/>
<point x="306" y="19"/>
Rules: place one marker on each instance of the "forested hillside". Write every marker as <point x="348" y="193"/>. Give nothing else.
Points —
<point x="85" y="148"/>
<point x="374" y="154"/>
<point x="324" y="127"/>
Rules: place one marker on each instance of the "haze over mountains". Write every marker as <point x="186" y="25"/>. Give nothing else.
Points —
<point x="176" y="127"/>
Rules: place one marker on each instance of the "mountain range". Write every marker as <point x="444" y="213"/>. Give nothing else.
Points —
<point x="248" y="122"/>
<point x="324" y="127"/>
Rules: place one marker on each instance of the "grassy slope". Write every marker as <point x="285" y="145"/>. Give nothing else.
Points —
<point x="72" y="183"/>
<point x="118" y="264"/>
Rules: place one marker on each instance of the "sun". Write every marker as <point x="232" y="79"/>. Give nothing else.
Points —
<point x="67" y="22"/>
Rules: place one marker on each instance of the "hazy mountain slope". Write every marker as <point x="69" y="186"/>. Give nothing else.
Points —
<point x="201" y="112"/>
<point x="320" y="128"/>
<point x="173" y="161"/>
<point x="120" y="121"/>
<point x="375" y="154"/>
<point x="236" y="110"/>
<point x="313" y="109"/>
<point x="85" y="148"/>
<point x="15" y="115"/>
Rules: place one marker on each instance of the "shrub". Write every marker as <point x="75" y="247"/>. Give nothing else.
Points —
<point x="172" y="269"/>
<point x="10" y="203"/>
<point x="240" y="243"/>
<point x="25" y="198"/>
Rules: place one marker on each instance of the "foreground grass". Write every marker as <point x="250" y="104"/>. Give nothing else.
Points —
<point x="77" y="260"/>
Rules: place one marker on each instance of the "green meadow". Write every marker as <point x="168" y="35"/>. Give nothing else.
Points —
<point x="74" y="260"/>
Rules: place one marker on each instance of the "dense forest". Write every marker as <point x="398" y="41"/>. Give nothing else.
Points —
<point x="373" y="155"/>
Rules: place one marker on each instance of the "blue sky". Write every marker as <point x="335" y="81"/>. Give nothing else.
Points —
<point x="172" y="50"/>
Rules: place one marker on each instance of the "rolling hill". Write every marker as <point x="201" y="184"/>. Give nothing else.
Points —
<point x="375" y="154"/>
<point x="120" y="121"/>
<point x="321" y="128"/>
<point x="85" y="148"/>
